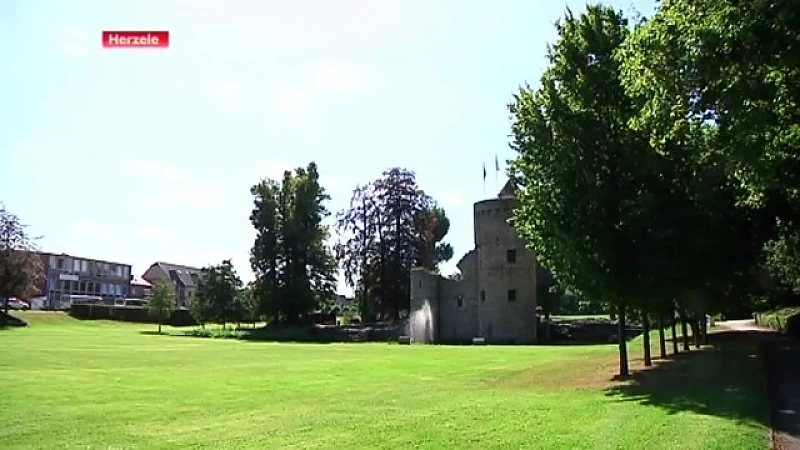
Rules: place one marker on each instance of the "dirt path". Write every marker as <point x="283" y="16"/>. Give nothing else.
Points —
<point x="782" y="360"/>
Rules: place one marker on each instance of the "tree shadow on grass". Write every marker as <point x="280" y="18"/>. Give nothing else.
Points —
<point x="152" y="333"/>
<point x="726" y="379"/>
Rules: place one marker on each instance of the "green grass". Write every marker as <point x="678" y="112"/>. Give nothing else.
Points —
<point x="93" y="385"/>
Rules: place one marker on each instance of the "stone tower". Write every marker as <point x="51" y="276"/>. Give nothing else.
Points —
<point x="506" y="273"/>
<point x="495" y="297"/>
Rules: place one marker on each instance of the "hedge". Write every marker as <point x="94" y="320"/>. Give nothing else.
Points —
<point x="178" y="318"/>
<point x="786" y="320"/>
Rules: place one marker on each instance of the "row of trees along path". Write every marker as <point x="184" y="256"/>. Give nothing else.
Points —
<point x="658" y="160"/>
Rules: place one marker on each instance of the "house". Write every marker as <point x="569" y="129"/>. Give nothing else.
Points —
<point x="68" y="279"/>
<point x="183" y="278"/>
<point x="140" y="288"/>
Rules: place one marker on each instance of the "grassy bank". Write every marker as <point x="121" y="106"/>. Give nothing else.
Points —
<point x="73" y="384"/>
<point x="786" y="320"/>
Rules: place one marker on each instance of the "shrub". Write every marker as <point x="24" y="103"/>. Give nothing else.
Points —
<point x="178" y="318"/>
<point x="217" y="333"/>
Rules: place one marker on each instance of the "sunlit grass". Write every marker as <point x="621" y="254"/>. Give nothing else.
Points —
<point x="96" y="384"/>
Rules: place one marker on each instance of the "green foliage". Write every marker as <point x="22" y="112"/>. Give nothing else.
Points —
<point x="295" y="270"/>
<point x="731" y="69"/>
<point x="582" y="172"/>
<point x="217" y="333"/>
<point x="248" y="304"/>
<point x="162" y="301"/>
<point x="20" y="267"/>
<point x="786" y="320"/>
<point x="217" y="292"/>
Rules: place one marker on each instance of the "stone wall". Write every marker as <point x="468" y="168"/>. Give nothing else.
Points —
<point x="507" y="289"/>
<point x="424" y="300"/>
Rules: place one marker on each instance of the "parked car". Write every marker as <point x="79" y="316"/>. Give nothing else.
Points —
<point x="15" y="303"/>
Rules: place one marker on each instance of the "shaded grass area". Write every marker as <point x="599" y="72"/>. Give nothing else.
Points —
<point x="105" y="384"/>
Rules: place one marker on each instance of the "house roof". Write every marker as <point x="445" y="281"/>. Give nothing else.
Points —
<point x="139" y="281"/>
<point x="508" y="191"/>
<point x="185" y="275"/>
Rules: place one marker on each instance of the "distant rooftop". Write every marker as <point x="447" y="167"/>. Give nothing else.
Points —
<point x="139" y="281"/>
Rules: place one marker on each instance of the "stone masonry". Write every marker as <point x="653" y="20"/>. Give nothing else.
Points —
<point x="495" y="295"/>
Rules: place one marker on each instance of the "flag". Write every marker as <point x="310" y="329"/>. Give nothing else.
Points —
<point x="484" y="178"/>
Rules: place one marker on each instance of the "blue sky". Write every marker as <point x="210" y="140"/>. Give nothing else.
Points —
<point x="143" y="155"/>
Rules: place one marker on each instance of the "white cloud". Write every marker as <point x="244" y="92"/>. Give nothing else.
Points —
<point x="73" y="41"/>
<point x="161" y="171"/>
<point x="292" y="101"/>
<point x="343" y="77"/>
<point x="153" y="233"/>
<point x="96" y="229"/>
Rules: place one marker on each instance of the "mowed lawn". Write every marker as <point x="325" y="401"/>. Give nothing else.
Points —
<point x="103" y="385"/>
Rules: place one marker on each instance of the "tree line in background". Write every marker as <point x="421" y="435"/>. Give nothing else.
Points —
<point x="390" y="226"/>
<point x="658" y="163"/>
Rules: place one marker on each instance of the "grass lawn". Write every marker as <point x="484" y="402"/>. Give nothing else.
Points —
<point x="103" y="385"/>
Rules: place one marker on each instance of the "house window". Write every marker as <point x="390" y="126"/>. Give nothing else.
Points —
<point x="512" y="295"/>
<point x="459" y="301"/>
<point x="483" y="296"/>
<point x="511" y="256"/>
<point x="52" y="262"/>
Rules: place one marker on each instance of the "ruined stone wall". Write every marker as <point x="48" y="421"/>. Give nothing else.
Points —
<point x="424" y="291"/>
<point x="499" y="318"/>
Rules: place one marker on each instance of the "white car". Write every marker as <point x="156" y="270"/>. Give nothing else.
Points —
<point x="15" y="303"/>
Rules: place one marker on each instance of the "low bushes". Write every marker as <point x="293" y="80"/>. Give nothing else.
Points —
<point x="178" y="318"/>
<point x="786" y="320"/>
<point x="218" y="333"/>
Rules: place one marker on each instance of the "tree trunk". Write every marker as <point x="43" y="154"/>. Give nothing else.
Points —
<point x="623" y="346"/>
<point x="662" y="339"/>
<point x="547" y="327"/>
<point x="675" y="349"/>
<point x="648" y="361"/>
<point x="159" y="327"/>
<point x="685" y="331"/>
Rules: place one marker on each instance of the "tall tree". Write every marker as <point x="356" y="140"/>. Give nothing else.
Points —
<point x="162" y="302"/>
<point x="578" y="164"/>
<point x="390" y="226"/>
<point x="730" y="68"/>
<point x="20" y="266"/>
<point x="217" y="289"/>
<point x="295" y="269"/>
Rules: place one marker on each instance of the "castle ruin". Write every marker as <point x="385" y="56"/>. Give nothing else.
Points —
<point x="495" y="296"/>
